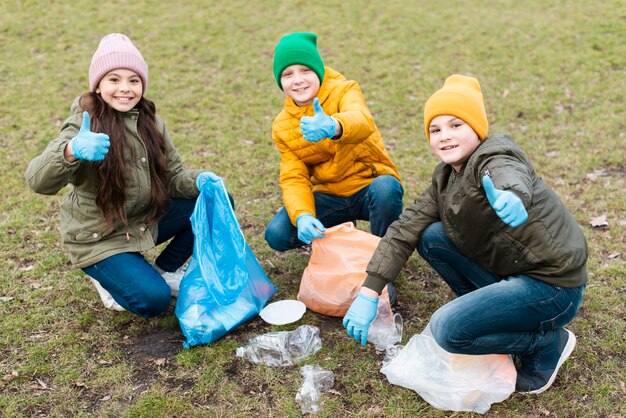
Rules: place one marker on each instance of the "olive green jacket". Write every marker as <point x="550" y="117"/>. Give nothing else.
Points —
<point x="549" y="246"/>
<point x="82" y="225"/>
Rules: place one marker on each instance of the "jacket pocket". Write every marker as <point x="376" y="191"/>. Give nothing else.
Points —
<point x="81" y="221"/>
<point x="512" y="256"/>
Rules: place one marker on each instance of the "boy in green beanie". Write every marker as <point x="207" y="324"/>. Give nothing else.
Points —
<point x="334" y="167"/>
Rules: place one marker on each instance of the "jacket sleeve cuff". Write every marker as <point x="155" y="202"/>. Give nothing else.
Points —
<point x="375" y="283"/>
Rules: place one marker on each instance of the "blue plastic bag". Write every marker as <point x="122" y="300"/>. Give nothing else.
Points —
<point x="224" y="285"/>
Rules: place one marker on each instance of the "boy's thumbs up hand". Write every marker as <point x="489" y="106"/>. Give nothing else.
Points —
<point x="507" y="205"/>
<point x="317" y="127"/>
<point x="87" y="145"/>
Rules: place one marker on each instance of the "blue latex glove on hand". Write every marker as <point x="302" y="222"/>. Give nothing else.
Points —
<point x="309" y="228"/>
<point x="204" y="177"/>
<point x="88" y="145"/>
<point x="507" y="205"/>
<point x="359" y="317"/>
<point x="315" y="128"/>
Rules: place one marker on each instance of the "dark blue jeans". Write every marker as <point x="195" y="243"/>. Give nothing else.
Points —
<point x="492" y="314"/>
<point x="380" y="203"/>
<point x="132" y="281"/>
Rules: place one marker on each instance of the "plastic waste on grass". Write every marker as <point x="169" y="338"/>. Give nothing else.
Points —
<point x="283" y="312"/>
<point x="386" y="329"/>
<point x="316" y="381"/>
<point x="453" y="382"/>
<point x="282" y="348"/>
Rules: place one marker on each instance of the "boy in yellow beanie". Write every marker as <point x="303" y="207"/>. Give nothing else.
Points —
<point x="497" y="234"/>
<point x="333" y="165"/>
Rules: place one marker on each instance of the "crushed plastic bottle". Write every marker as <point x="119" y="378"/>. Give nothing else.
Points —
<point x="385" y="330"/>
<point x="283" y="348"/>
<point x="316" y="381"/>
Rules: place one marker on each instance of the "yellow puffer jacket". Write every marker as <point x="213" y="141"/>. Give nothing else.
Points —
<point x="339" y="167"/>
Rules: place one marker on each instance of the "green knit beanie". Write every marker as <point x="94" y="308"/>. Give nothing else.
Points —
<point x="298" y="48"/>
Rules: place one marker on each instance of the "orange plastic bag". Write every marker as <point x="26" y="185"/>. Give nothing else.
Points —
<point x="336" y="270"/>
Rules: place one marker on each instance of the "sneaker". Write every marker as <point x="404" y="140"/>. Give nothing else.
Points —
<point x="538" y="371"/>
<point x="106" y="297"/>
<point x="172" y="278"/>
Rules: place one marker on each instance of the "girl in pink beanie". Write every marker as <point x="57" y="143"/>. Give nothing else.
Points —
<point x="130" y="191"/>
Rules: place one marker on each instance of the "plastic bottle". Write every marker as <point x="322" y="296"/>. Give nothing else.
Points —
<point x="283" y="348"/>
<point x="316" y="381"/>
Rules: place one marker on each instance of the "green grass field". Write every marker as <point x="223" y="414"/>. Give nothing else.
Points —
<point x="554" y="77"/>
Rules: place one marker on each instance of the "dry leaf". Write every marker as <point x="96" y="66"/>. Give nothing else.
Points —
<point x="43" y="384"/>
<point x="544" y="411"/>
<point x="11" y="376"/>
<point x="505" y="93"/>
<point x="6" y="298"/>
<point x="375" y="410"/>
<point x="599" y="221"/>
<point x="158" y="361"/>
<point x="106" y="398"/>
<point x="614" y="255"/>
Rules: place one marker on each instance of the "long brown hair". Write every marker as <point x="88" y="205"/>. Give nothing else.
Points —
<point x="112" y="170"/>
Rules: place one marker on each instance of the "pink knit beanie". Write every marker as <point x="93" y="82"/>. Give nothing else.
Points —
<point x="116" y="51"/>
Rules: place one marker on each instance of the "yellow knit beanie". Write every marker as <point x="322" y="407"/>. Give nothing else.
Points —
<point x="460" y="96"/>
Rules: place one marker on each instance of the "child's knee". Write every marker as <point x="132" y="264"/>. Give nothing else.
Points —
<point x="447" y="332"/>
<point x="275" y="238"/>
<point x="429" y="236"/>
<point x="386" y="188"/>
<point x="154" y="304"/>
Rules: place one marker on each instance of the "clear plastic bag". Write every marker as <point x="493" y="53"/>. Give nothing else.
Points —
<point x="316" y="381"/>
<point x="336" y="270"/>
<point x="453" y="382"/>
<point x="282" y="348"/>
<point x="224" y="284"/>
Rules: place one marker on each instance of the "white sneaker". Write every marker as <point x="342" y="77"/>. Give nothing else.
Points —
<point x="106" y="297"/>
<point x="172" y="278"/>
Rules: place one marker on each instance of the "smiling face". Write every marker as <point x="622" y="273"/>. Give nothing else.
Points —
<point x="121" y="89"/>
<point x="300" y="83"/>
<point x="452" y="140"/>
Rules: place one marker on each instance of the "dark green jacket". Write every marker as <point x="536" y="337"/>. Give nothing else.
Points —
<point x="549" y="246"/>
<point x="82" y="225"/>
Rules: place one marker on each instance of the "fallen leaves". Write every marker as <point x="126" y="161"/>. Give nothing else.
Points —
<point x="599" y="221"/>
<point x="11" y="376"/>
<point x="160" y="361"/>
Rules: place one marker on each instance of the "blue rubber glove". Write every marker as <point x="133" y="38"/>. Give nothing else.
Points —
<point x="204" y="177"/>
<point x="359" y="317"/>
<point x="309" y="228"/>
<point x="507" y="205"/>
<point x="88" y="145"/>
<point x="315" y="128"/>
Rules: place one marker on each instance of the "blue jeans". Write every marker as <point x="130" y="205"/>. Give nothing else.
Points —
<point x="380" y="203"/>
<point x="132" y="281"/>
<point x="493" y="314"/>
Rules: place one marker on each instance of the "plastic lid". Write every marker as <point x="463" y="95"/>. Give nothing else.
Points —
<point x="283" y="312"/>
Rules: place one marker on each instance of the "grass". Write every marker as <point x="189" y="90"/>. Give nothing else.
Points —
<point x="553" y="75"/>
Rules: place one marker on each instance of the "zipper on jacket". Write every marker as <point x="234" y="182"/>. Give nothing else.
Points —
<point x="485" y="173"/>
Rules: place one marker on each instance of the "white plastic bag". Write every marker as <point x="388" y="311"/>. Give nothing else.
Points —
<point x="454" y="382"/>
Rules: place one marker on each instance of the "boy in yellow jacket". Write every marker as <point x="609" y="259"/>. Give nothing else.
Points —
<point x="334" y="167"/>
